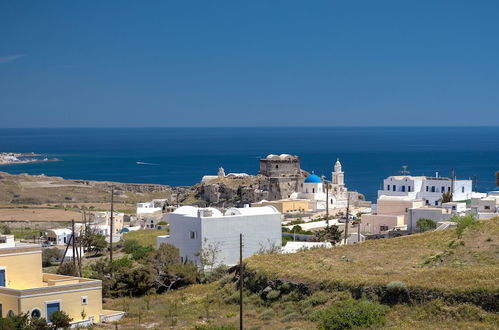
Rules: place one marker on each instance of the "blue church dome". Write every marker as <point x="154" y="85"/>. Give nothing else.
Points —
<point x="312" y="178"/>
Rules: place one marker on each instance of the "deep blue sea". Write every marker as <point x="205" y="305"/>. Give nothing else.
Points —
<point x="181" y="156"/>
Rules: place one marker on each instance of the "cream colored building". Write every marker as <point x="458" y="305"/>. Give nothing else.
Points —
<point x="390" y="212"/>
<point x="24" y="288"/>
<point x="288" y="205"/>
<point x="104" y="218"/>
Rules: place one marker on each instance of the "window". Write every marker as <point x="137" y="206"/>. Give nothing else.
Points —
<point x="51" y="308"/>
<point x="84" y="300"/>
<point x="192" y="235"/>
<point x="383" y="228"/>
<point x="443" y="189"/>
<point x="462" y="189"/>
<point x="2" y="277"/>
<point x="388" y="187"/>
<point x="10" y="313"/>
<point x="487" y="207"/>
<point x="448" y="189"/>
<point x="394" y="188"/>
<point x="277" y="166"/>
<point x="436" y="202"/>
<point x="403" y="188"/>
<point x="433" y="188"/>
<point x="313" y="190"/>
<point x="36" y="313"/>
<point x="427" y="188"/>
<point x="409" y="188"/>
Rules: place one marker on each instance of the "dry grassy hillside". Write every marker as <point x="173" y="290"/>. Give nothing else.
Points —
<point x="434" y="260"/>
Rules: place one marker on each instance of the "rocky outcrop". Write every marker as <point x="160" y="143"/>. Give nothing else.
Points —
<point x="232" y="191"/>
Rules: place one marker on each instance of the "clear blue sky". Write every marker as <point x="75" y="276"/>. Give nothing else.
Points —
<point x="248" y="63"/>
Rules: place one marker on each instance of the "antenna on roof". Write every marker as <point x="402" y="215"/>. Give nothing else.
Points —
<point x="404" y="169"/>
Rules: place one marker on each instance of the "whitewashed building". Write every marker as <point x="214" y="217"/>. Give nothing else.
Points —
<point x="486" y="207"/>
<point x="428" y="189"/>
<point x="293" y="247"/>
<point x="148" y="208"/>
<point x="58" y="236"/>
<point x="193" y="230"/>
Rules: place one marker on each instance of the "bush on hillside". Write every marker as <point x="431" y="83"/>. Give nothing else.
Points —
<point x="5" y="230"/>
<point x="24" y="322"/>
<point x="50" y="255"/>
<point x="137" y="250"/>
<point x="67" y="268"/>
<point x="424" y="224"/>
<point x="60" y="320"/>
<point x="350" y="314"/>
<point x="463" y="222"/>
<point x="329" y="234"/>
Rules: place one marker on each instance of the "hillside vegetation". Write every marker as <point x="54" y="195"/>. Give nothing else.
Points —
<point x="371" y="285"/>
<point x="434" y="260"/>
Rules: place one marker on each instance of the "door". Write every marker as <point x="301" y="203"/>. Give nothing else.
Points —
<point x="52" y="307"/>
<point x="2" y="277"/>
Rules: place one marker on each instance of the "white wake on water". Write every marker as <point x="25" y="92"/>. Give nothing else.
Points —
<point x="144" y="163"/>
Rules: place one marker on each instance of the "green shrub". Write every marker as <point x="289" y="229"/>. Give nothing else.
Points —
<point x="350" y="314"/>
<point x="273" y="295"/>
<point x="50" y="255"/>
<point x="318" y="298"/>
<point x="424" y="224"/>
<point x="60" y="320"/>
<point x="137" y="250"/>
<point x="463" y="223"/>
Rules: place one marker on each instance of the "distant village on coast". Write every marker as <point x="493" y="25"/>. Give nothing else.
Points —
<point x="55" y="248"/>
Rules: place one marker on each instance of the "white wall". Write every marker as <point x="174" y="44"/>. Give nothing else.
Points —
<point x="260" y="231"/>
<point x="180" y="228"/>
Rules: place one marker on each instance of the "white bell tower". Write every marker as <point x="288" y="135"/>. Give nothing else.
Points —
<point x="338" y="175"/>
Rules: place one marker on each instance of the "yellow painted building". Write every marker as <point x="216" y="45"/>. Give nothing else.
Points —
<point x="287" y="205"/>
<point x="24" y="288"/>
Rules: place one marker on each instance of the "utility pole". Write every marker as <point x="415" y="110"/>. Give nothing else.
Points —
<point x="358" y="231"/>
<point x="327" y="203"/>
<point x="452" y="174"/>
<point x="325" y="183"/>
<point x="111" y="231"/>
<point x="241" y="277"/>
<point x="80" y="254"/>
<point x="73" y="242"/>
<point x="348" y="214"/>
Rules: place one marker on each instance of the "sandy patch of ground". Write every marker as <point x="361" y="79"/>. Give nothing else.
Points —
<point x="34" y="214"/>
<point x="47" y="184"/>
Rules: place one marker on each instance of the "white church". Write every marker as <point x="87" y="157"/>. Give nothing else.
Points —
<point x="313" y="189"/>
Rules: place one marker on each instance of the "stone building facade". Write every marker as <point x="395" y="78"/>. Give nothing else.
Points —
<point x="284" y="175"/>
